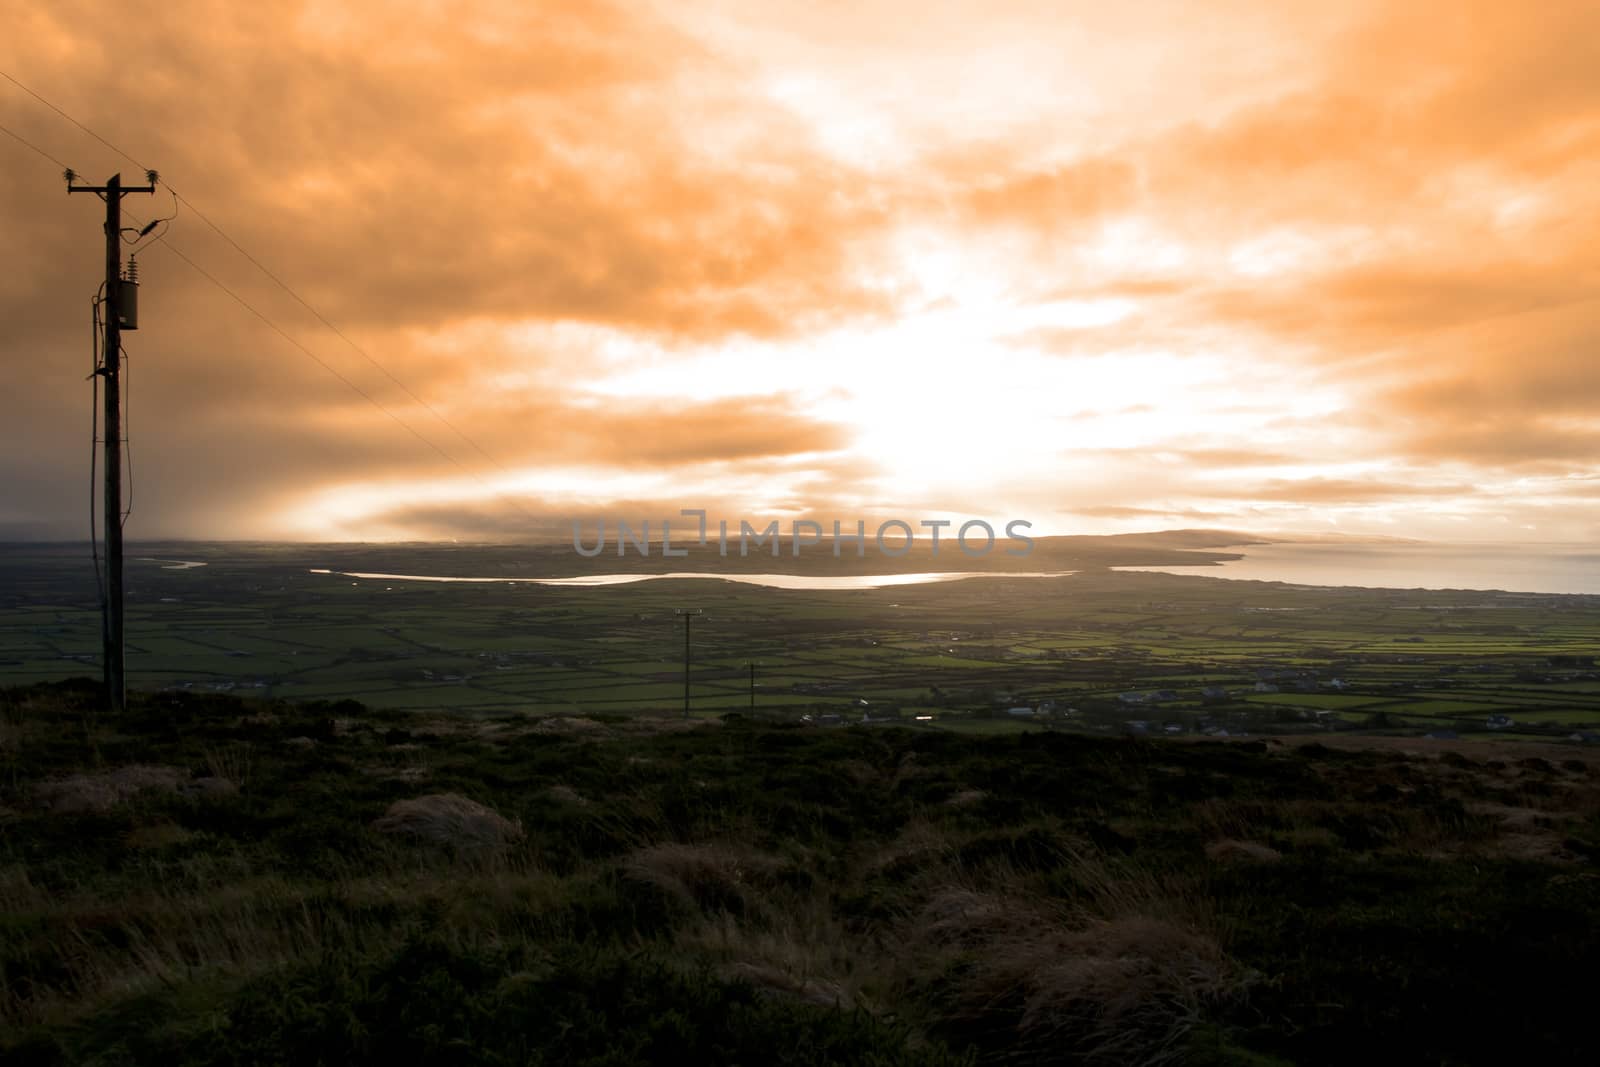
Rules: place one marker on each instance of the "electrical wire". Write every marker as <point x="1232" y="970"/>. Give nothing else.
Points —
<point x="127" y="429"/>
<point x="72" y="120"/>
<point x="94" y="455"/>
<point x="279" y="282"/>
<point x="94" y="372"/>
<point x="281" y="332"/>
<point x="160" y="238"/>
<point x="152" y="239"/>
<point x="29" y="144"/>
<point x="139" y="243"/>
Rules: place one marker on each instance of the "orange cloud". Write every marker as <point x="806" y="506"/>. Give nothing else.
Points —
<point x="1103" y="261"/>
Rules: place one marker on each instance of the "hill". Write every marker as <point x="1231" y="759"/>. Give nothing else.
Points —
<point x="217" y="881"/>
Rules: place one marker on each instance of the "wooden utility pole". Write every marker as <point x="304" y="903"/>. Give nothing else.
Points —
<point x="752" y="687"/>
<point x="688" y="616"/>
<point x="110" y="369"/>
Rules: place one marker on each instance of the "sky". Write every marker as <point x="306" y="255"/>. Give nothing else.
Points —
<point x="1263" y="266"/>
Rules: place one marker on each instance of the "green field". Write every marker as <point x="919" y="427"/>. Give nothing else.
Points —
<point x="864" y="857"/>
<point x="1111" y="646"/>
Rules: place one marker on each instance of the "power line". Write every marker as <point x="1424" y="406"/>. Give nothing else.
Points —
<point x="72" y="120"/>
<point x="279" y="282"/>
<point x="94" y="443"/>
<point x="281" y="332"/>
<point x="29" y="144"/>
<point x="127" y="427"/>
<point x="160" y="238"/>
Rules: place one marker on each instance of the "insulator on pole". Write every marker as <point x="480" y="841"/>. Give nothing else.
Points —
<point x="128" y="298"/>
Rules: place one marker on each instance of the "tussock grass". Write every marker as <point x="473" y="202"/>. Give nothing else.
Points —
<point x="676" y="893"/>
<point x="710" y="878"/>
<point x="451" y="821"/>
<point x="230" y="763"/>
<point x="102" y="791"/>
<point x="1126" y="991"/>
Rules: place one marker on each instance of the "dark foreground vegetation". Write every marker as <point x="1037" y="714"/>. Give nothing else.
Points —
<point x="217" y="881"/>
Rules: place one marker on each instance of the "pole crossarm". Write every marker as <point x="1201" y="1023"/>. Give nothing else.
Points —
<point x="108" y="188"/>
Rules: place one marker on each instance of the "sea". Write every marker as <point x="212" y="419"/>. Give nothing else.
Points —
<point x="1521" y="568"/>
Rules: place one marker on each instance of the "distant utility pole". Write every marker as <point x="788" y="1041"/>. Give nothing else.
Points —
<point x="117" y="316"/>
<point x="688" y="616"/>
<point x="752" y="687"/>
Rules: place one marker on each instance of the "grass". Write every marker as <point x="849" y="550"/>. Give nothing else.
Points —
<point x="221" y="881"/>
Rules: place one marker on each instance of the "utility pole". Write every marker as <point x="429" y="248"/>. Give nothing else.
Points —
<point x="752" y="687"/>
<point x="688" y="616"/>
<point x="112" y="324"/>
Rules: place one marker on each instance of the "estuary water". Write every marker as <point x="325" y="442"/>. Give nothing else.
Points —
<point x="1515" y="568"/>
<point x="772" y="581"/>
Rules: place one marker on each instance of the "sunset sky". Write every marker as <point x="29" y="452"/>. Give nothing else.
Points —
<point x="1271" y="266"/>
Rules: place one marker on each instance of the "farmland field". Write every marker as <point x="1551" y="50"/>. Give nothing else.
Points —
<point x="1092" y="650"/>
<point x="904" y="833"/>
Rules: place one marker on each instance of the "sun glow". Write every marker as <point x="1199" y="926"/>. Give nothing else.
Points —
<point x="1107" y="270"/>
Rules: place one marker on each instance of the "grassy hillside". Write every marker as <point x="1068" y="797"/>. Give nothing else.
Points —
<point x="217" y="881"/>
